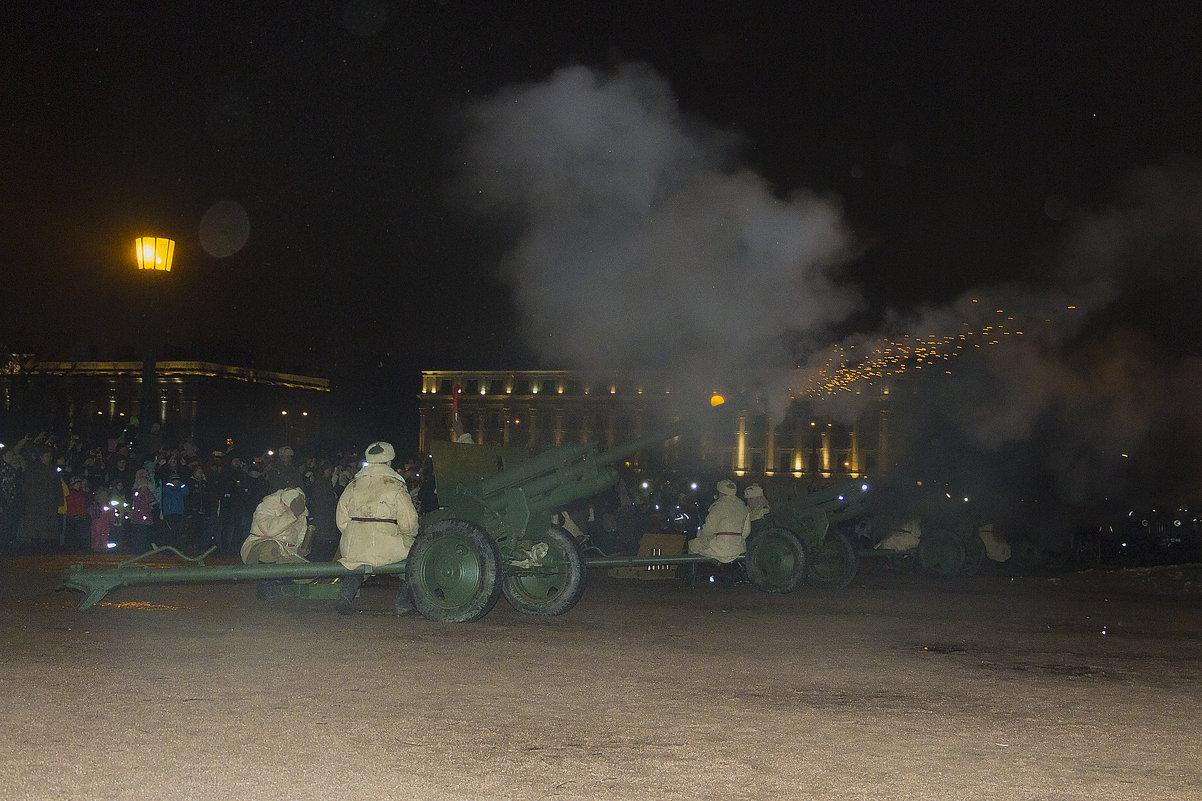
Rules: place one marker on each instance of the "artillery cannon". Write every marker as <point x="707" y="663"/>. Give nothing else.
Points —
<point x="834" y="522"/>
<point x="820" y="520"/>
<point x="491" y="535"/>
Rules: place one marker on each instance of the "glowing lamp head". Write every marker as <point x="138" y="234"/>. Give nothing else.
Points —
<point x="154" y="253"/>
<point x="717" y="400"/>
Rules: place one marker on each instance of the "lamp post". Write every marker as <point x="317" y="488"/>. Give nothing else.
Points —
<point x="154" y="255"/>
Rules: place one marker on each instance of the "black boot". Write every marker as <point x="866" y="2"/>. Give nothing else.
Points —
<point x="403" y="606"/>
<point x="346" y="594"/>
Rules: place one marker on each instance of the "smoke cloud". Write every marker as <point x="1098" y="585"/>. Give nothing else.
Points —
<point x="638" y="242"/>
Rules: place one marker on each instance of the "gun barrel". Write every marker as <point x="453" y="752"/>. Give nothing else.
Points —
<point x="544" y="463"/>
<point x="615" y="455"/>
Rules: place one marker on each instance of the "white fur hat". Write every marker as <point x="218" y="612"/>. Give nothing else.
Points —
<point x="378" y="453"/>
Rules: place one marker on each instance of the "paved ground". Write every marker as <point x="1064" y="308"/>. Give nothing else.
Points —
<point x="1079" y="687"/>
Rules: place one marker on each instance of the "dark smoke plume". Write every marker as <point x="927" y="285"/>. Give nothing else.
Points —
<point x="1093" y="409"/>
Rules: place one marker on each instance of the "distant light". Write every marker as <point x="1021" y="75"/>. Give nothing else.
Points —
<point x="693" y="486"/>
<point x="110" y="545"/>
<point x="717" y="400"/>
<point x="646" y="485"/>
<point x="966" y="499"/>
<point x="863" y="488"/>
<point x="840" y="497"/>
<point x="713" y="579"/>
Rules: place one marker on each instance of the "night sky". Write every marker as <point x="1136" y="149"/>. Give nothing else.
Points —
<point x="367" y="189"/>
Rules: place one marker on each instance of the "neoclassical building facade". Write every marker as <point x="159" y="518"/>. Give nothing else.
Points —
<point x="542" y="409"/>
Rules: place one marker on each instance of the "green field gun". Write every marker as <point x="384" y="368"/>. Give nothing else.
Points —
<point x="492" y="533"/>
<point x="824" y="520"/>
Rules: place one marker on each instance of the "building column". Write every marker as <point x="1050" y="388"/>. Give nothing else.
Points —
<point x="770" y="448"/>
<point x="854" y="456"/>
<point x="740" y="460"/>
<point x="827" y="454"/>
<point x="882" y="444"/>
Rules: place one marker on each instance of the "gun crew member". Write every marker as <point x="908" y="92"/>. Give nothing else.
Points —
<point x="378" y="523"/>
<point x="723" y="535"/>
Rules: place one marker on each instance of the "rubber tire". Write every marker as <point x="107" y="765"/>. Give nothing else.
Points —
<point x="776" y="561"/>
<point x="940" y="553"/>
<point x="454" y="572"/>
<point x="834" y="563"/>
<point x="548" y="595"/>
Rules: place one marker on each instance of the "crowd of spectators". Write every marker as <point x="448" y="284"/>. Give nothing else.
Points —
<point x="60" y="494"/>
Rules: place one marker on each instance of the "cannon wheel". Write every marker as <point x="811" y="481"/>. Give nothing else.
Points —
<point x="834" y="563"/>
<point x="549" y="594"/>
<point x="941" y="553"/>
<point x="454" y="572"/>
<point x="776" y="561"/>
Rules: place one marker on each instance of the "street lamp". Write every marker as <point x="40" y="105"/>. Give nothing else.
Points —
<point x="154" y="255"/>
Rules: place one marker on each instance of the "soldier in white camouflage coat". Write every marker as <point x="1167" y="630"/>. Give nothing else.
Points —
<point x="378" y="523"/>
